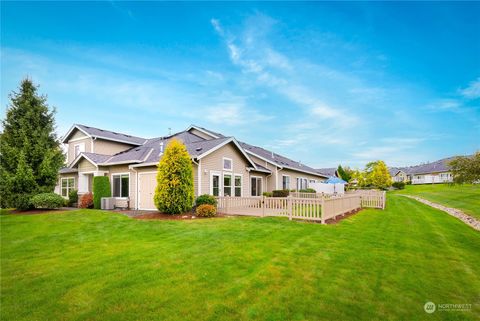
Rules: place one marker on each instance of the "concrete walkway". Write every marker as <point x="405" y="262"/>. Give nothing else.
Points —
<point x="467" y="219"/>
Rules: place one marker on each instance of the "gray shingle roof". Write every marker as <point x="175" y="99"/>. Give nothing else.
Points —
<point x="107" y="134"/>
<point x="332" y="171"/>
<point x="434" y="167"/>
<point x="277" y="159"/>
<point x="67" y="170"/>
<point x="97" y="158"/>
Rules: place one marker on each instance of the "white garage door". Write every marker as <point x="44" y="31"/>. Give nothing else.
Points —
<point x="146" y="189"/>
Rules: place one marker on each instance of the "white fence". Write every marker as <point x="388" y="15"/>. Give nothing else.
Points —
<point x="312" y="208"/>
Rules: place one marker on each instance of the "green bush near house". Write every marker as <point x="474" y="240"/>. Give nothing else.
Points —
<point x="72" y="197"/>
<point x="101" y="188"/>
<point x="308" y="190"/>
<point x="280" y="193"/>
<point x="267" y="194"/>
<point x="398" y="185"/>
<point x="47" y="201"/>
<point x="206" y="199"/>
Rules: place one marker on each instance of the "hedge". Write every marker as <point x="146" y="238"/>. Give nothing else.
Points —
<point x="47" y="201"/>
<point x="280" y="193"/>
<point x="206" y="210"/>
<point x="101" y="188"/>
<point x="206" y="199"/>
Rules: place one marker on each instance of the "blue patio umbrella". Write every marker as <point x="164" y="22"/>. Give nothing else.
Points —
<point x="335" y="180"/>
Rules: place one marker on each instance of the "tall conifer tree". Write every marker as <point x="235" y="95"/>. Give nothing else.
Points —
<point x="30" y="153"/>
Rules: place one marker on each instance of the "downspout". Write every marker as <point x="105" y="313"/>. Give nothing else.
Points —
<point x="136" y="185"/>
<point x="199" y="176"/>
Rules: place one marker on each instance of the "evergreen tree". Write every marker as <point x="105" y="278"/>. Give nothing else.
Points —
<point x="175" y="192"/>
<point x="344" y="173"/>
<point x="30" y="154"/>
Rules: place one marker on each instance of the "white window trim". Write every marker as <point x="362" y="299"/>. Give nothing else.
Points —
<point x="68" y="187"/>
<point x="261" y="184"/>
<point x="220" y="183"/>
<point x="241" y="184"/>
<point x="232" y="183"/>
<point x="111" y="184"/>
<point x="223" y="164"/>
<point x="289" y="181"/>
<point x="80" y="149"/>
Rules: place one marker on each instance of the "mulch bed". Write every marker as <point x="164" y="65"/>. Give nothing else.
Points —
<point x="342" y="217"/>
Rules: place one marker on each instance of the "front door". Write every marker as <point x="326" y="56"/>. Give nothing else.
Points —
<point x="147" y="182"/>
<point x="256" y="186"/>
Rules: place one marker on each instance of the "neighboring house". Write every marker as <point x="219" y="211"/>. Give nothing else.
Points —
<point x="429" y="173"/>
<point x="398" y="174"/>
<point x="222" y="165"/>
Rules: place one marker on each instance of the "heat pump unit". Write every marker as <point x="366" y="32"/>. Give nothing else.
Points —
<point x="108" y="203"/>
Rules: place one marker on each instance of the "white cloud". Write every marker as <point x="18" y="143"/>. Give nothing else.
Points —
<point x="472" y="91"/>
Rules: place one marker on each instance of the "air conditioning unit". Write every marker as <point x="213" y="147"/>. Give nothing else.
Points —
<point x="107" y="203"/>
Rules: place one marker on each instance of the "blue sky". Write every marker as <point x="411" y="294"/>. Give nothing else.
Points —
<point x="320" y="82"/>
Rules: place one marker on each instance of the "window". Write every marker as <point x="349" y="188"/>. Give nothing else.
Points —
<point x="312" y="181"/>
<point x="121" y="185"/>
<point x="68" y="184"/>
<point x="285" y="182"/>
<point x="227" y="185"/>
<point x="256" y="186"/>
<point x="302" y="183"/>
<point x="215" y="185"/>
<point x="238" y="185"/>
<point x="227" y="164"/>
<point x="78" y="148"/>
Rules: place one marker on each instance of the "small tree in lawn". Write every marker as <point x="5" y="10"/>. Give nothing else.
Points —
<point x="30" y="154"/>
<point x="378" y="175"/>
<point x="175" y="192"/>
<point x="466" y="169"/>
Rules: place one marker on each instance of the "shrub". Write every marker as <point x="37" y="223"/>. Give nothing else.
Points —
<point x="267" y="194"/>
<point x="47" y="200"/>
<point x="206" y="210"/>
<point x="206" y="199"/>
<point x="398" y="185"/>
<point x="86" y="201"/>
<point x="101" y="188"/>
<point x="174" y="193"/>
<point x="72" y="197"/>
<point x="308" y="190"/>
<point x="280" y="193"/>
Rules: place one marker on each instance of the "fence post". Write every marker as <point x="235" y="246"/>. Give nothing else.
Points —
<point x="289" y="206"/>
<point x="263" y="206"/>
<point x="226" y="204"/>
<point x="323" y="211"/>
<point x="384" y="200"/>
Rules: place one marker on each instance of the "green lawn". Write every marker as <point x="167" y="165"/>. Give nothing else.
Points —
<point x="376" y="265"/>
<point x="462" y="197"/>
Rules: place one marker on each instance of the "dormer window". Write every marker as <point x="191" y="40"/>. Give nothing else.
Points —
<point x="227" y="164"/>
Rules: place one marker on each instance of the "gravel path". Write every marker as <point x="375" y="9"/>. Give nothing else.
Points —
<point x="452" y="211"/>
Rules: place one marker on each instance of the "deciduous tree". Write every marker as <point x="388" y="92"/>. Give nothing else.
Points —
<point x="466" y="169"/>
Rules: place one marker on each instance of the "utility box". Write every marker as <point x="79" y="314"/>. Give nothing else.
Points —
<point x="107" y="203"/>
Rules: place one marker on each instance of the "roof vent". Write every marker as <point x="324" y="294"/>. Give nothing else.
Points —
<point x="273" y="156"/>
<point x="161" y="147"/>
<point x="198" y="149"/>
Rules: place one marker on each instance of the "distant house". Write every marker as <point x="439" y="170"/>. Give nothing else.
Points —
<point x="429" y="173"/>
<point x="222" y="165"/>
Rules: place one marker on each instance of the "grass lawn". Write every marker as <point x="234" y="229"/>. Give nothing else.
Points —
<point x="376" y="265"/>
<point x="463" y="197"/>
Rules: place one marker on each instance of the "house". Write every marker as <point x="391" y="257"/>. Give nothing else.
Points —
<point x="222" y="165"/>
<point x="429" y="173"/>
<point x="398" y="174"/>
<point x="330" y="172"/>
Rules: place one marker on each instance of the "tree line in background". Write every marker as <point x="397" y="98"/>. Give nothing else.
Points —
<point x="466" y="169"/>
<point x="375" y="175"/>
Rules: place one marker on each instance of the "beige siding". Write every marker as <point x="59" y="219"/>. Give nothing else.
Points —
<point x="200" y="134"/>
<point x="293" y="177"/>
<point x="71" y="148"/>
<point x="85" y="166"/>
<point x="214" y="162"/>
<point x="101" y="146"/>
<point x="268" y="180"/>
